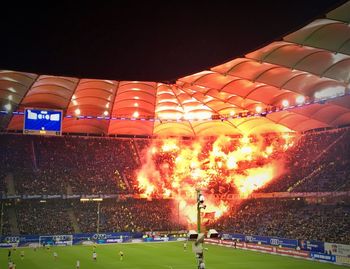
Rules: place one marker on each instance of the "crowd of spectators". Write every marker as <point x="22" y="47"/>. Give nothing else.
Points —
<point x="68" y="165"/>
<point x="286" y="218"/>
<point x="50" y="217"/>
<point x="14" y="154"/>
<point x="6" y="225"/>
<point x="318" y="162"/>
<point x="86" y="165"/>
<point x="129" y="215"/>
<point x="332" y="168"/>
<point x="289" y="218"/>
<point x="2" y="183"/>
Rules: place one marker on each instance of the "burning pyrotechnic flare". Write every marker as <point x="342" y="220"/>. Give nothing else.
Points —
<point x="175" y="168"/>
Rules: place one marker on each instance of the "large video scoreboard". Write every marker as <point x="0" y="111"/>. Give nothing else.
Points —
<point x="42" y="121"/>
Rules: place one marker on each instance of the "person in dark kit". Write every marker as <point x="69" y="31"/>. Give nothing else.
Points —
<point x="9" y="255"/>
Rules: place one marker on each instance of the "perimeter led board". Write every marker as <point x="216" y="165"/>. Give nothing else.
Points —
<point x="42" y="121"/>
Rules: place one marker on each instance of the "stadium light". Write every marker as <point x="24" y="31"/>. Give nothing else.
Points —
<point x="285" y="103"/>
<point x="8" y="107"/>
<point x="300" y="100"/>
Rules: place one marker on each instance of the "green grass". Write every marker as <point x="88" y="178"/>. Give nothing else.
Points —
<point x="153" y="256"/>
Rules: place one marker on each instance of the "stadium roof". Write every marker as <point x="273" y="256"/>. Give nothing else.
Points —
<point x="310" y="64"/>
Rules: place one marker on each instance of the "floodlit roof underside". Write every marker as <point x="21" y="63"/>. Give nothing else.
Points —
<point x="309" y="63"/>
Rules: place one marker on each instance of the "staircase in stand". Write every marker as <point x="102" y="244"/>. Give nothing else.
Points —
<point x="13" y="221"/>
<point x="10" y="184"/>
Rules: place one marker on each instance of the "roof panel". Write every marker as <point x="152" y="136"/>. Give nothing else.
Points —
<point x="343" y="119"/>
<point x="130" y="93"/>
<point x="330" y="37"/>
<point x="339" y="71"/>
<point x="226" y="67"/>
<point x="194" y="77"/>
<point x="134" y="99"/>
<point x="302" y="34"/>
<point x="13" y="87"/>
<point x="91" y="126"/>
<point x="250" y="70"/>
<point x="50" y="92"/>
<point x="218" y="127"/>
<point x="329" y="113"/>
<point x="259" y="124"/>
<point x="304" y="58"/>
<point x="128" y="127"/>
<point x="310" y="124"/>
<point x="344" y="101"/>
<point x="287" y="118"/>
<point x="173" y="128"/>
<point x="92" y="97"/>
<point x="213" y="80"/>
<point x="341" y="13"/>
<point x="281" y="53"/>
<point x="16" y="123"/>
<point x="324" y="33"/>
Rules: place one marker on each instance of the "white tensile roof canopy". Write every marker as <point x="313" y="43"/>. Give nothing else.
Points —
<point x="311" y="63"/>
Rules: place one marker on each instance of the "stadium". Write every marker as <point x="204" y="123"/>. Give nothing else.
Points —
<point x="245" y="164"/>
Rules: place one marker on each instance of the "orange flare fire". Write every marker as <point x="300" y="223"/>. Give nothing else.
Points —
<point x="176" y="168"/>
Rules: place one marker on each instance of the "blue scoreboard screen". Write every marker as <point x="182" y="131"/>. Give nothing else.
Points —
<point x="42" y="121"/>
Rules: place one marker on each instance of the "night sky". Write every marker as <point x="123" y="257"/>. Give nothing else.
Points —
<point x="133" y="40"/>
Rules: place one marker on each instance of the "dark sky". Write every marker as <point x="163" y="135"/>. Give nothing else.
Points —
<point x="134" y="40"/>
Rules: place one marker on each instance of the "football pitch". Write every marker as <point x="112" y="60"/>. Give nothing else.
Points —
<point x="152" y="256"/>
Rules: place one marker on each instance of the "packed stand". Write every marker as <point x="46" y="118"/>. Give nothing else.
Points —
<point x="326" y="151"/>
<point x="2" y="183"/>
<point x="85" y="165"/>
<point x="130" y="215"/>
<point x="51" y="217"/>
<point x="68" y="165"/>
<point x="332" y="170"/>
<point x="6" y="225"/>
<point x="16" y="158"/>
<point x="294" y="219"/>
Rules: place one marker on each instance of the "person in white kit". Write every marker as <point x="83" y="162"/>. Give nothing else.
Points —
<point x="78" y="264"/>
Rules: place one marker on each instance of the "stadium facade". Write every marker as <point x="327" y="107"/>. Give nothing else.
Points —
<point x="307" y="66"/>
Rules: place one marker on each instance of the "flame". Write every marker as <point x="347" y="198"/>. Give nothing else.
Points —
<point x="174" y="168"/>
<point x="254" y="179"/>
